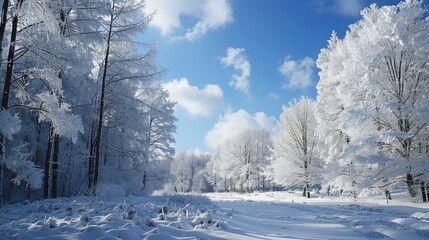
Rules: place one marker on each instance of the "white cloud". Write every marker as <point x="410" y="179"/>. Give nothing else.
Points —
<point x="348" y="7"/>
<point x="199" y="152"/>
<point x="235" y="57"/>
<point x="297" y="73"/>
<point x="233" y="123"/>
<point x="207" y="14"/>
<point x="273" y="96"/>
<point x="342" y="7"/>
<point x="198" y="102"/>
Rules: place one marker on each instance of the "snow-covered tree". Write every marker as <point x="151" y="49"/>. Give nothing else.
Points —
<point x="217" y="170"/>
<point x="328" y="105"/>
<point x="189" y="171"/>
<point x="122" y="71"/>
<point x="239" y="162"/>
<point x="158" y="110"/>
<point x="380" y="75"/>
<point x="295" y="158"/>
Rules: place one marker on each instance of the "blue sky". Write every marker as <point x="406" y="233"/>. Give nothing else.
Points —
<point x="232" y="64"/>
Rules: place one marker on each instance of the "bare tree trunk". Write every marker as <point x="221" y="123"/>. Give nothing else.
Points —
<point x="263" y="184"/>
<point x="48" y="164"/>
<point x="306" y="187"/>
<point x="5" y="7"/>
<point x="54" y="184"/>
<point x="144" y="181"/>
<point x="56" y="141"/>
<point x="10" y="60"/>
<point x="97" y="144"/>
<point x="1" y="170"/>
<point x="7" y="84"/>
<point x="191" y="181"/>
<point x="91" y="160"/>
<point x="215" y="184"/>
<point x="423" y="188"/>
<point x="36" y="157"/>
<point x="410" y="184"/>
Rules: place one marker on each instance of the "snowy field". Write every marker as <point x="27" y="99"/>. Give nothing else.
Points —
<point x="278" y="215"/>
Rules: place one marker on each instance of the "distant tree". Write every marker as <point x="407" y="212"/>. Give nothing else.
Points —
<point x="159" y="110"/>
<point x="239" y="162"/>
<point x="188" y="170"/>
<point x="295" y="157"/>
<point x="216" y="171"/>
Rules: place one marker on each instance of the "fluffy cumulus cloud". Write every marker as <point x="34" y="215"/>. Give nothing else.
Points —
<point x="235" y="58"/>
<point x="233" y="123"/>
<point x="207" y="15"/>
<point x="198" y="102"/>
<point x="342" y="7"/>
<point x="297" y="73"/>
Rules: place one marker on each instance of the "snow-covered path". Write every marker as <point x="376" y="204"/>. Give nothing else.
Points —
<point x="267" y="219"/>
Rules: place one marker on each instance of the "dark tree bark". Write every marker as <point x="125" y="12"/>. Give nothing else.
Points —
<point x="388" y="196"/>
<point x="54" y="184"/>
<point x="48" y="164"/>
<point x="410" y="185"/>
<point x="304" y="191"/>
<point x="10" y="60"/>
<point x="97" y="146"/>
<point x="5" y="7"/>
<point x="424" y="191"/>
<point x="8" y="82"/>
<point x="91" y="160"/>
<point x="56" y="141"/>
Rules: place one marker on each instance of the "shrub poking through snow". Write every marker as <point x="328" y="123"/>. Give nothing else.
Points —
<point x="163" y="210"/>
<point x="84" y="218"/>
<point x="149" y="222"/>
<point x="51" y="222"/>
<point x="131" y="213"/>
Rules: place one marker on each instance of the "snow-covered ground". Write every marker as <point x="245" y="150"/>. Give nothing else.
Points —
<point x="271" y="215"/>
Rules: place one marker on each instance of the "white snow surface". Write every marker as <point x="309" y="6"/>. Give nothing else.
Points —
<point x="269" y="215"/>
